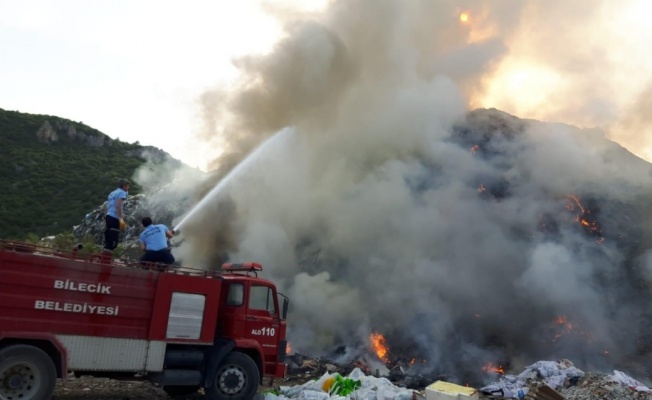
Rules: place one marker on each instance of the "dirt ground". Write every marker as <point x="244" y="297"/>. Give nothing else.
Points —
<point x="89" y="388"/>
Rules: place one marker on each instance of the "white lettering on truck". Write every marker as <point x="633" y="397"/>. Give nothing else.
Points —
<point x="84" y="308"/>
<point x="263" y="332"/>
<point x="82" y="287"/>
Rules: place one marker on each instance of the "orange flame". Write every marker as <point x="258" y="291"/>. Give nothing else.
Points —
<point x="583" y="217"/>
<point x="566" y="327"/>
<point x="562" y="320"/>
<point x="288" y="348"/>
<point x="474" y="148"/>
<point x="464" y="17"/>
<point x="490" y="367"/>
<point x="576" y="202"/>
<point x="379" y="345"/>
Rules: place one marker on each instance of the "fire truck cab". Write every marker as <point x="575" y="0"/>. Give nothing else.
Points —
<point x="181" y="328"/>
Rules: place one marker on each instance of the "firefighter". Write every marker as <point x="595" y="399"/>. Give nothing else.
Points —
<point x="114" y="218"/>
<point x="154" y="242"/>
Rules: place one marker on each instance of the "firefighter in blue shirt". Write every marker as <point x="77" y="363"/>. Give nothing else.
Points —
<point x="154" y="241"/>
<point x="114" y="218"/>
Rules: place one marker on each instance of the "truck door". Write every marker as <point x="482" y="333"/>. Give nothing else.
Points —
<point x="263" y="322"/>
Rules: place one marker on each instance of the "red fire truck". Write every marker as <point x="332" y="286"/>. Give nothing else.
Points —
<point x="181" y="328"/>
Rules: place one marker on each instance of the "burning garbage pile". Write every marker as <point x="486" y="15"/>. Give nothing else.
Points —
<point x="361" y="379"/>
<point x="559" y="380"/>
<point x="321" y="379"/>
<point x="377" y="361"/>
<point x="532" y="266"/>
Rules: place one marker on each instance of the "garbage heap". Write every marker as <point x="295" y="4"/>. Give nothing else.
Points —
<point x="543" y="380"/>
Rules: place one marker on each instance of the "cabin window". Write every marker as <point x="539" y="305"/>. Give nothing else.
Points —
<point x="262" y="298"/>
<point x="236" y="295"/>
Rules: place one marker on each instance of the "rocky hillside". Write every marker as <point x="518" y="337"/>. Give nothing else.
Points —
<point x="54" y="170"/>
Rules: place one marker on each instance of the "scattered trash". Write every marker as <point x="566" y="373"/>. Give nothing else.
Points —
<point x="342" y="386"/>
<point x="542" y="380"/>
<point x="441" y="390"/>
<point x="553" y="374"/>
<point x="356" y="386"/>
<point x="621" y="377"/>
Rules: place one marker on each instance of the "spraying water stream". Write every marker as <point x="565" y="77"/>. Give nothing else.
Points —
<point x="223" y="184"/>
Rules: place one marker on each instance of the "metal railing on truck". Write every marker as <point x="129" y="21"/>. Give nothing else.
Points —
<point x="77" y="255"/>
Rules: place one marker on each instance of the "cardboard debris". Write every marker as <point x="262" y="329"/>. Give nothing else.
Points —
<point x="543" y="392"/>
<point x="441" y="390"/>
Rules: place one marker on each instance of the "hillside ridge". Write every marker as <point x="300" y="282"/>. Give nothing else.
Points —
<point x="54" y="170"/>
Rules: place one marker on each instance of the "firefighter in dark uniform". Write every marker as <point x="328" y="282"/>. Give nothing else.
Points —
<point x="114" y="218"/>
<point x="154" y="241"/>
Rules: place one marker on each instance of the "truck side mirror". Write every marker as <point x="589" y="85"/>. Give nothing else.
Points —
<point x="286" y="303"/>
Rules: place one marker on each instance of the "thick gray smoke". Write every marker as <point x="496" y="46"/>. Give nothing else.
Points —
<point x="381" y="205"/>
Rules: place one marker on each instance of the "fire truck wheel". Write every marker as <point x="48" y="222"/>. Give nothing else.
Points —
<point x="26" y="372"/>
<point x="237" y="378"/>
<point x="179" y="391"/>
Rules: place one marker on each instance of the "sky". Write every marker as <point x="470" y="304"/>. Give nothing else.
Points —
<point x="132" y="69"/>
<point x="138" y="70"/>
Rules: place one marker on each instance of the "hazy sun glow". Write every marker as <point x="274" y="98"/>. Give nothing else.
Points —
<point x="526" y="89"/>
<point x="594" y="74"/>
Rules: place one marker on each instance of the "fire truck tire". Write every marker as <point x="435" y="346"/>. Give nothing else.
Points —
<point x="26" y="372"/>
<point x="237" y="378"/>
<point x="180" y="391"/>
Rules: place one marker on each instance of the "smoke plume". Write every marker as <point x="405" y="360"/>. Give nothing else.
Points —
<point x="377" y="202"/>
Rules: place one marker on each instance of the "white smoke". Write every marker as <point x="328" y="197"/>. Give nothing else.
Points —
<point x="372" y="211"/>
